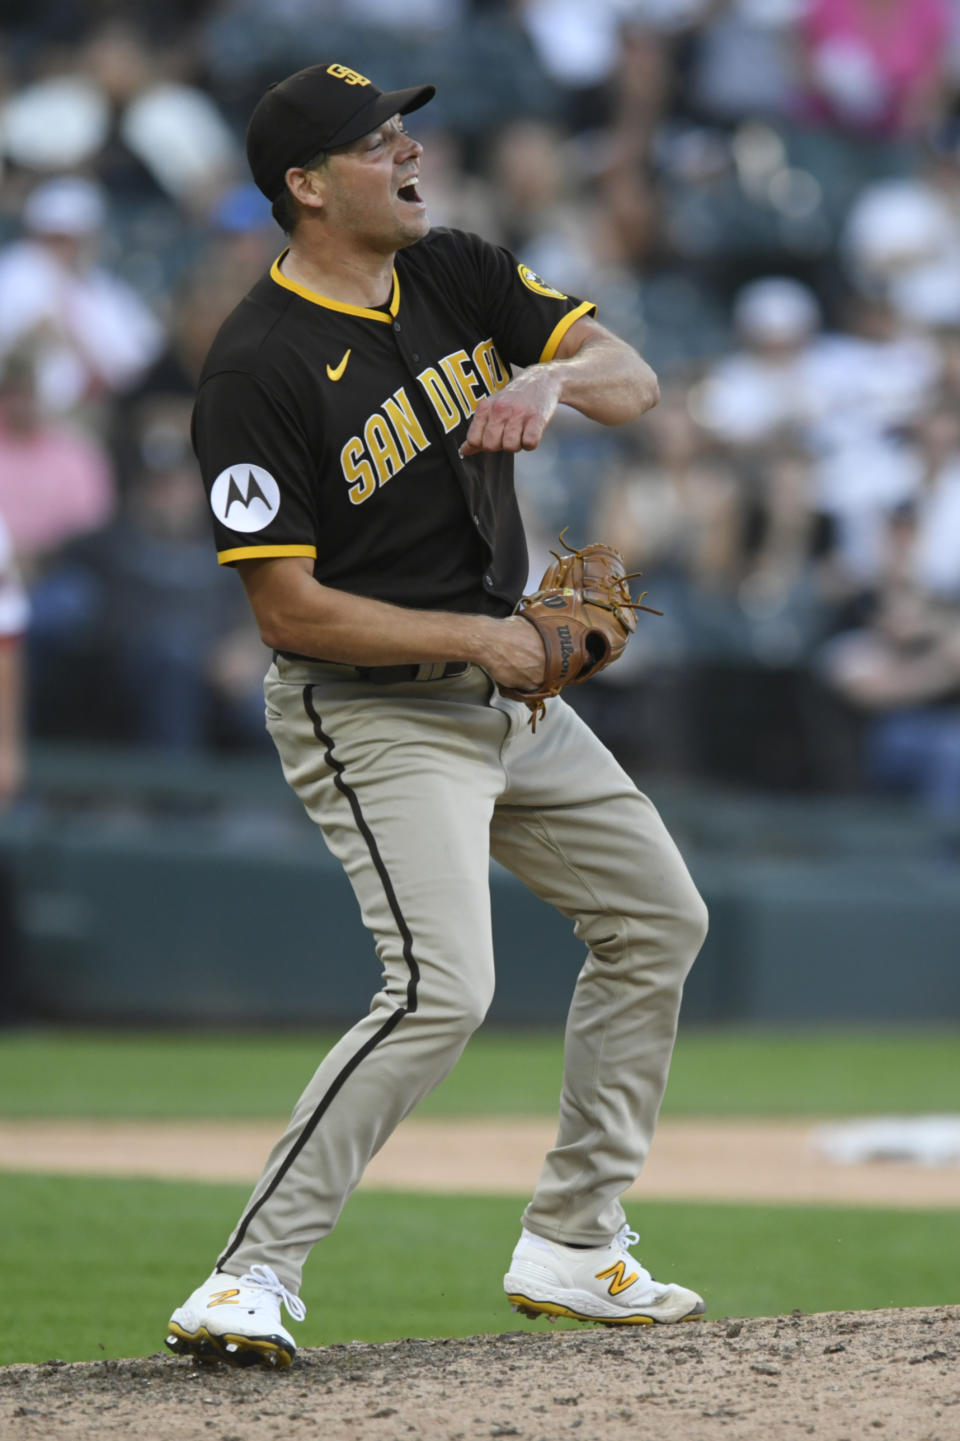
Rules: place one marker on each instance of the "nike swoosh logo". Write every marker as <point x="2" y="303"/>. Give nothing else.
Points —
<point x="335" y="374"/>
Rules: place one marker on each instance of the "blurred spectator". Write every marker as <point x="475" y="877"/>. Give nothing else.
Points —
<point x="901" y="242"/>
<point x="931" y="522"/>
<point x="840" y="396"/>
<point x="169" y="127"/>
<point x="578" y="47"/>
<point x="126" y="112"/>
<point x="740" y="561"/>
<point x="161" y="636"/>
<point x="743" y="61"/>
<point x="537" y="208"/>
<point x="675" y="499"/>
<point x="656" y="156"/>
<point x="90" y="333"/>
<point x="875" y="67"/>
<point x="458" y="199"/>
<point x="56" y="123"/>
<point x="55" y="480"/>
<point x="14" y="616"/>
<point x="241" y="243"/>
<point x="882" y="375"/>
<point x="773" y="385"/>
<point x="902" y="671"/>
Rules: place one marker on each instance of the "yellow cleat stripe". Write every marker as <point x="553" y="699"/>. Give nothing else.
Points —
<point x="196" y="1340"/>
<point x="552" y="1308"/>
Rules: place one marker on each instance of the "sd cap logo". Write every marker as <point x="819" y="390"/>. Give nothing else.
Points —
<point x="343" y="72"/>
<point x="245" y="497"/>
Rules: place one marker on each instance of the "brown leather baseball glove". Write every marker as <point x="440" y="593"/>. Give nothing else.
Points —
<point x="584" y="614"/>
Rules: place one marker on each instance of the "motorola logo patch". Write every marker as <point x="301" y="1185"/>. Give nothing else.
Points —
<point x="245" y="497"/>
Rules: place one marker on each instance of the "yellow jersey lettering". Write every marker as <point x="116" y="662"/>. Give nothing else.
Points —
<point x="440" y="398"/>
<point x="486" y="358"/>
<point x="382" y="447"/>
<point x="343" y="72"/>
<point x="406" y="426"/>
<point x="357" y="471"/>
<point x="464" y="381"/>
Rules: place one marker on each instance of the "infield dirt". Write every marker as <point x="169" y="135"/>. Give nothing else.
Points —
<point x="716" y="1160"/>
<point x="840" y="1376"/>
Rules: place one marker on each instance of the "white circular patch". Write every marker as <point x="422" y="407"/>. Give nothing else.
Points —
<point x="245" y="497"/>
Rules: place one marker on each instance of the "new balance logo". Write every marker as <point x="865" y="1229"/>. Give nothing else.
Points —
<point x="618" y="1281"/>
<point x="245" y="498"/>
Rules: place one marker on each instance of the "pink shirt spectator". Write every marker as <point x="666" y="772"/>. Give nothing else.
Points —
<point x="874" y="65"/>
<point x="55" y="483"/>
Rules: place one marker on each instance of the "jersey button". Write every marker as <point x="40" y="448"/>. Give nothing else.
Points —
<point x="397" y="325"/>
<point x="476" y="520"/>
<point x="488" y="580"/>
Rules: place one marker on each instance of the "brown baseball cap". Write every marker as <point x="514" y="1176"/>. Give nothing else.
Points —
<point x="317" y="109"/>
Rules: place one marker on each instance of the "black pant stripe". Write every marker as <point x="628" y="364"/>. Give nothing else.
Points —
<point x="389" y="1024"/>
<point x="338" y="771"/>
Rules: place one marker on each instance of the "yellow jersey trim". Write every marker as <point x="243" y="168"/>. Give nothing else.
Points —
<point x="257" y="552"/>
<point x="559" y="331"/>
<point x="277" y="275"/>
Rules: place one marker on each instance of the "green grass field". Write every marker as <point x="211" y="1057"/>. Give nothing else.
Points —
<point x="92" y="1267"/>
<point x="715" y="1073"/>
<point x="99" y="1264"/>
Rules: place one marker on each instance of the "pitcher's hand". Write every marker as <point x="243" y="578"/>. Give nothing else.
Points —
<point x="516" y="659"/>
<point x="516" y="417"/>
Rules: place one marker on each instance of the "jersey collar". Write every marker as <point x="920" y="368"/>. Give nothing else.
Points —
<point x="277" y="275"/>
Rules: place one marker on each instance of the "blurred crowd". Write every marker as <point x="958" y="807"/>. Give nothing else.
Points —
<point x="762" y="195"/>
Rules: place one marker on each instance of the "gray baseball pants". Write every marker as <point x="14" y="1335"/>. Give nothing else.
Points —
<point x="414" y="786"/>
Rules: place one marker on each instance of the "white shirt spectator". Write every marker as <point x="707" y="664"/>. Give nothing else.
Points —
<point x="859" y="485"/>
<point x="89" y="330"/>
<point x="902" y="239"/>
<point x="834" y="390"/>
<point x="935" y="559"/>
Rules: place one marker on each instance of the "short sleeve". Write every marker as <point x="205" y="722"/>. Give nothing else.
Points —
<point x="257" y="469"/>
<point x="528" y="316"/>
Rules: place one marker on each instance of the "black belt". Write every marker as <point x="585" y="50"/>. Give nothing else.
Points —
<point x="393" y="674"/>
<point x="389" y="674"/>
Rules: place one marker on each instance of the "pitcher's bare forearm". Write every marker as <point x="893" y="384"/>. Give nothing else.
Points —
<point x="594" y="371"/>
<point x="296" y="613"/>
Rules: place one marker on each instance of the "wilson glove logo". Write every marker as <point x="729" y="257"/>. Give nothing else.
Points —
<point x="245" y="498"/>
<point x="566" y="647"/>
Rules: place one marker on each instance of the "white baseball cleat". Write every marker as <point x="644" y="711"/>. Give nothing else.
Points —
<point x="603" y="1284"/>
<point x="237" y="1320"/>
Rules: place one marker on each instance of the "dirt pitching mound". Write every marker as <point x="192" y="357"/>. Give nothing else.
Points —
<point x="841" y="1376"/>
